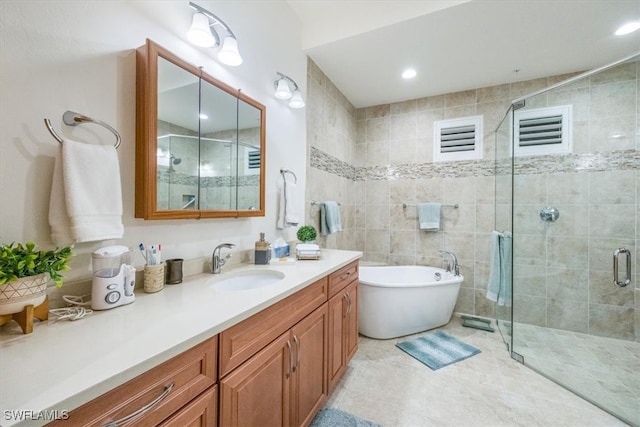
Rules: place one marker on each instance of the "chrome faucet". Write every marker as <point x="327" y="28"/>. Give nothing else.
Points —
<point x="452" y="264"/>
<point x="216" y="262"/>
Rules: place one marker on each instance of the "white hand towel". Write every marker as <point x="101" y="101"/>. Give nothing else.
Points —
<point x="58" y="217"/>
<point x="330" y="218"/>
<point x="287" y="216"/>
<point x="429" y="216"/>
<point x="91" y="176"/>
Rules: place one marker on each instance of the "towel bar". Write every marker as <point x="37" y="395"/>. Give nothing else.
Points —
<point x="456" y="206"/>
<point x="315" y="202"/>
<point x="71" y="118"/>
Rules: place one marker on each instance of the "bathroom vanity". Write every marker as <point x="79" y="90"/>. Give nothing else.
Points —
<point x="265" y="356"/>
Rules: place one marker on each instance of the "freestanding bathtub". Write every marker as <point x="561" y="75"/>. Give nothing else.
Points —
<point x="400" y="300"/>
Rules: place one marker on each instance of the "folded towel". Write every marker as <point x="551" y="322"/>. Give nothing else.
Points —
<point x="499" y="285"/>
<point x="330" y="218"/>
<point x="287" y="216"/>
<point x="429" y="216"/>
<point x="92" y="193"/>
<point x="307" y="247"/>
<point x="58" y="217"/>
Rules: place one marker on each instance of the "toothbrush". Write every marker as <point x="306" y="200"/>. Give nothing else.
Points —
<point x="141" y="247"/>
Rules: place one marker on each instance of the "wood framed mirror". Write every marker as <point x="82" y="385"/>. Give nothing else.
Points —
<point x="200" y="144"/>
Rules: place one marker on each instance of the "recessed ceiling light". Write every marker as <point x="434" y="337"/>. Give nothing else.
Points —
<point x="203" y="116"/>
<point x="409" y="73"/>
<point x="627" y="28"/>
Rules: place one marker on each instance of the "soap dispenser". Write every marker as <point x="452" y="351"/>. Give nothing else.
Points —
<point x="262" y="251"/>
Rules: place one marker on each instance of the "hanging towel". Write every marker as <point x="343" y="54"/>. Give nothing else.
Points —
<point x="330" y="218"/>
<point x="287" y="216"/>
<point x="429" y="216"/>
<point x="92" y="194"/>
<point x="58" y="217"/>
<point x="499" y="286"/>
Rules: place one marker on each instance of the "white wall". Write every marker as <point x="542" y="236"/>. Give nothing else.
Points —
<point x="80" y="56"/>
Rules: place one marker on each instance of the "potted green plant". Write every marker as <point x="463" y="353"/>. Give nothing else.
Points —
<point x="25" y="272"/>
<point x="307" y="233"/>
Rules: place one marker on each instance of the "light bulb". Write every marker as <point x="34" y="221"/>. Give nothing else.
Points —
<point x="282" y="90"/>
<point x="199" y="33"/>
<point x="229" y="53"/>
<point x="296" y="100"/>
<point x="628" y="28"/>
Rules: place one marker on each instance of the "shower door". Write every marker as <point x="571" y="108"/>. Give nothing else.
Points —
<point x="575" y="220"/>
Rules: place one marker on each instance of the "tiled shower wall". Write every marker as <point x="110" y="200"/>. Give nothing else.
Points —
<point x="372" y="160"/>
<point x="563" y="270"/>
<point x="331" y="140"/>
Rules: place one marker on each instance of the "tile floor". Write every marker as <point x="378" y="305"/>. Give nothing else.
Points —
<point x="385" y="385"/>
<point x="602" y="369"/>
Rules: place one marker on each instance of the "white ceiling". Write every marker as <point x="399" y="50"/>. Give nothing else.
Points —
<point x="363" y="46"/>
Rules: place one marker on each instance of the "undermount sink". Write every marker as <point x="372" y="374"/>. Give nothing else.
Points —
<point x="245" y="280"/>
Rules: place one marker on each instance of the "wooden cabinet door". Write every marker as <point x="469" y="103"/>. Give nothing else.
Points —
<point x="337" y="323"/>
<point x="309" y="388"/>
<point x="258" y="392"/>
<point x="343" y="332"/>
<point x="201" y="412"/>
<point x="351" y="330"/>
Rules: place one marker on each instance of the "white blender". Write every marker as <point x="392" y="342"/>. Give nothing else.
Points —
<point x="113" y="278"/>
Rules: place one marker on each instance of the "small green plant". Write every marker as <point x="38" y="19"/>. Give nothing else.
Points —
<point x="18" y="260"/>
<point x="307" y="233"/>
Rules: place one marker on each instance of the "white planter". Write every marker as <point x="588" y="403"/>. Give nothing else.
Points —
<point x="16" y="295"/>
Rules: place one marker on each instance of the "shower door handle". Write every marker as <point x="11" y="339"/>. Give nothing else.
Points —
<point x="616" y="257"/>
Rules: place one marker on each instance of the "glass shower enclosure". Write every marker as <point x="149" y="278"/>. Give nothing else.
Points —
<point x="567" y="188"/>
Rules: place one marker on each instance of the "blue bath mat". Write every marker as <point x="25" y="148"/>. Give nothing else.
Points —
<point x="332" y="417"/>
<point x="437" y="349"/>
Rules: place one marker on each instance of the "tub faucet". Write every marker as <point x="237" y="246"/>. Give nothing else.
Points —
<point x="452" y="264"/>
<point x="216" y="262"/>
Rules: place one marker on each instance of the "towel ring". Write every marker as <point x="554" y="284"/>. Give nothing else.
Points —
<point x="71" y="118"/>
<point x="284" y="171"/>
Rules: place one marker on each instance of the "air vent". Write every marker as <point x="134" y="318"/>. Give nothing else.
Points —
<point x="253" y="160"/>
<point x="458" y="139"/>
<point x="543" y="131"/>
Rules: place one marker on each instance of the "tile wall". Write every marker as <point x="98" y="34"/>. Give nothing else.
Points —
<point x="374" y="159"/>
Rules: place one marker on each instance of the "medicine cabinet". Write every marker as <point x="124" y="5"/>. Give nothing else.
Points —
<point x="200" y="144"/>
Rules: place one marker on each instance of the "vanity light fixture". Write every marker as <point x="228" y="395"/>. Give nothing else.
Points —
<point x="202" y="33"/>
<point x="283" y="91"/>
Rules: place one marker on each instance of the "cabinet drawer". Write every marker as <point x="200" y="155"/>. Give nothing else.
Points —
<point x="243" y="340"/>
<point x="170" y="385"/>
<point x="341" y="278"/>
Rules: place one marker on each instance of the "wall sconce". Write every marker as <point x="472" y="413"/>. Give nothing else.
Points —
<point x="283" y="91"/>
<point x="202" y="33"/>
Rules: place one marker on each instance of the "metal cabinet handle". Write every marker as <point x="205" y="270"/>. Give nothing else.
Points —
<point x="348" y="303"/>
<point x="290" y="359"/>
<point x="345" y="311"/>
<point x="142" y="410"/>
<point x="297" y="341"/>
<point x="616" y="257"/>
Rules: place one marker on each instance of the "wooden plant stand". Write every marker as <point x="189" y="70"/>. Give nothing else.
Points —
<point x="26" y="316"/>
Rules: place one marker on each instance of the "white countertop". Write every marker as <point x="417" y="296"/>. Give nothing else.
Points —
<point x="63" y="365"/>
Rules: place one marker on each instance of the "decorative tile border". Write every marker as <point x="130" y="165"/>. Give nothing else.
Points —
<point x="327" y="163"/>
<point x="208" y="182"/>
<point x="592" y="162"/>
